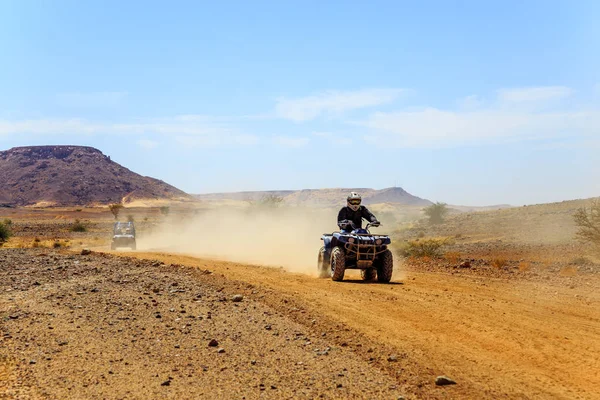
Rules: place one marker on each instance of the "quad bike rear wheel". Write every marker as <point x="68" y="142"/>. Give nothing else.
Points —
<point x="338" y="264"/>
<point x="322" y="265"/>
<point x="368" y="274"/>
<point x="385" y="267"/>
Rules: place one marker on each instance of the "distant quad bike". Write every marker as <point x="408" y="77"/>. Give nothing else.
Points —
<point x="358" y="249"/>
<point x="123" y="235"/>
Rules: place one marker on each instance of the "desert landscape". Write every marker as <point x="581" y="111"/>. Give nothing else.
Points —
<point x="221" y="298"/>
<point x="299" y="200"/>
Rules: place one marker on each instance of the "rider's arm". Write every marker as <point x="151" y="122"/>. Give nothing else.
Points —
<point x="368" y="215"/>
<point x="343" y="221"/>
<point x="342" y="214"/>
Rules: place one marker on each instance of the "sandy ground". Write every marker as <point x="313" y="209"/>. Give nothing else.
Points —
<point x="76" y="326"/>
<point x="499" y="338"/>
<point x="86" y="327"/>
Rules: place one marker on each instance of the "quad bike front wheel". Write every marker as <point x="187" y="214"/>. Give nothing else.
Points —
<point x="368" y="274"/>
<point x="385" y="267"/>
<point x="322" y="265"/>
<point x="338" y="264"/>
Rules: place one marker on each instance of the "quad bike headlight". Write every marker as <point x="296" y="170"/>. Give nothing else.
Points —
<point x="378" y="242"/>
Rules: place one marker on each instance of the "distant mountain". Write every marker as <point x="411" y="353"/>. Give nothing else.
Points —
<point x="324" y="197"/>
<point x="73" y="175"/>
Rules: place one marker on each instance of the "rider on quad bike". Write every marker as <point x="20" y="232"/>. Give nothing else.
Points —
<point x="351" y="216"/>
<point x="354" y="247"/>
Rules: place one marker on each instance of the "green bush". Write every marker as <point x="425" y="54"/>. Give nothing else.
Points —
<point x="581" y="261"/>
<point x="5" y="232"/>
<point x="115" y="209"/>
<point x="268" y="201"/>
<point x="424" y="247"/>
<point x="78" y="226"/>
<point x="436" y="212"/>
<point x="588" y="223"/>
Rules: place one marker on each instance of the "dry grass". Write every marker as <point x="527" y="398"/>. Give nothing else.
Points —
<point x="568" y="271"/>
<point x="524" y="266"/>
<point x="452" y="257"/>
<point x="499" y="262"/>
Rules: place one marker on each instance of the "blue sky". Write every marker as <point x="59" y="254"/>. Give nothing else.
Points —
<point x="467" y="102"/>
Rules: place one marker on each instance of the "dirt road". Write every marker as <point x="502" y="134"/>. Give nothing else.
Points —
<point x="87" y="327"/>
<point x="498" y="338"/>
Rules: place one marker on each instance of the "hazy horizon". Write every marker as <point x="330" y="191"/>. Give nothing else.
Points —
<point x="470" y="104"/>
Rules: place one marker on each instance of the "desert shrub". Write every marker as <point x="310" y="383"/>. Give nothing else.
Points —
<point x="580" y="261"/>
<point x="7" y="222"/>
<point x="425" y="247"/>
<point x="524" y="266"/>
<point x="568" y="271"/>
<point x="130" y="218"/>
<point x="588" y="223"/>
<point x="499" y="262"/>
<point x="5" y="232"/>
<point x="165" y="210"/>
<point x="452" y="257"/>
<point x="268" y="201"/>
<point x="436" y="212"/>
<point x="115" y="209"/>
<point x="56" y="244"/>
<point x="36" y="242"/>
<point x="78" y="226"/>
<point x="78" y="210"/>
<point x="145" y="219"/>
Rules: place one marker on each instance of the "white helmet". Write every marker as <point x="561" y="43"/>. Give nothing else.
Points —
<point x="354" y="201"/>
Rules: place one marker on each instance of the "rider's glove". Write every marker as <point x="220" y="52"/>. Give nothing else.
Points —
<point x="375" y="223"/>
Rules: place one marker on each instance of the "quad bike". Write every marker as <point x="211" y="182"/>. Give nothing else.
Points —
<point x="358" y="249"/>
<point x="123" y="235"/>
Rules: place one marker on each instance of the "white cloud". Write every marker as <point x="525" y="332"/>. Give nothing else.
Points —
<point x="194" y="131"/>
<point x="471" y="102"/>
<point x="433" y="127"/>
<point x="534" y="94"/>
<point x="216" y="141"/>
<point x="49" y="127"/>
<point x="147" y="144"/>
<point x="292" y="142"/>
<point x="93" y="99"/>
<point x="332" y="103"/>
<point x="164" y="126"/>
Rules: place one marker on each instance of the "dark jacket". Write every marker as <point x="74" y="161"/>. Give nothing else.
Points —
<point x="346" y="213"/>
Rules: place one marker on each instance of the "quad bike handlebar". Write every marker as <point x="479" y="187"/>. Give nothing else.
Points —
<point x="347" y="222"/>
<point x="374" y="224"/>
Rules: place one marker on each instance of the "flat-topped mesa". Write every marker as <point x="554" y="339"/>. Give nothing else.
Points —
<point x="73" y="175"/>
<point x="45" y="152"/>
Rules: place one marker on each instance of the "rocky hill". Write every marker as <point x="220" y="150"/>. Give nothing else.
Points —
<point x="325" y="197"/>
<point x="73" y="175"/>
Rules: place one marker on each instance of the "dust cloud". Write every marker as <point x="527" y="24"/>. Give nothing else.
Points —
<point x="281" y="237"/>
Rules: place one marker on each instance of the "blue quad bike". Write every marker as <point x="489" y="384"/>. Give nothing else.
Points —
<point x="357" y="249"/>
